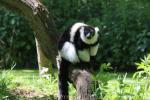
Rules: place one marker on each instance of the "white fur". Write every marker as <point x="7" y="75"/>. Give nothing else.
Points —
<point x="74" y="28"/>
<point x="68" y="52"/>
<point x="89" y="41"/>
<point x="93" y="50"/>
<point x="58" y="60"/>
<point x="96" y="29"/>
<point x="84" y="55"/>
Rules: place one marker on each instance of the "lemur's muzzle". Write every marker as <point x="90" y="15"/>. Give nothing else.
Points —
<point x="90" y="35"/>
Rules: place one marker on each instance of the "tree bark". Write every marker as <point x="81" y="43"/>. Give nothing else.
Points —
<point x="43" y="62"/>
<point x="83" y="84"/>
<point x="46" y="37"/>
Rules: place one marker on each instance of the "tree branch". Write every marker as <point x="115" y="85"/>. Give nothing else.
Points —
<point x="40" y="21"/>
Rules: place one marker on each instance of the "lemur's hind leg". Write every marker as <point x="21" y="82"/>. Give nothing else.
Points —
<point x="94" y="63"/>
<point x="63" y="79"/>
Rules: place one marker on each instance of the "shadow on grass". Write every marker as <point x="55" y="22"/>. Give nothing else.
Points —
<point x="8" y="95"/>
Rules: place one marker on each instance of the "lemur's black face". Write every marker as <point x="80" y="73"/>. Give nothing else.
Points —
<point x="89" y="32"/>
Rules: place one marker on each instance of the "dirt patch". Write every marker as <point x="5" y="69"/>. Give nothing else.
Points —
<point x="31" y="95"/>
<point x="24" y="93"/>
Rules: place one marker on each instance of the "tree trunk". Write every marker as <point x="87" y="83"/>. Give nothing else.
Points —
<point x="43" y="26"/>
<point x="43" y="62"/>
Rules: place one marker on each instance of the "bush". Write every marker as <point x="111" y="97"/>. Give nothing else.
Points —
<point x="125" y="31"/>
<point x="5" y="82"/>
<point x="16" y="41"/>
<point x="123" y="88"/>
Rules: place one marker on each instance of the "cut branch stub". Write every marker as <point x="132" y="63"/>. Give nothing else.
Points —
<point x="83" y="82"/>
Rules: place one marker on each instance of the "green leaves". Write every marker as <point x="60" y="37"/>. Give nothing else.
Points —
<point x="144" y="67"/>
<point x="125" y="36"/>
<point x="145" y="63"/>
<point x="18" y="41"/>
<point x="124" y="28"/>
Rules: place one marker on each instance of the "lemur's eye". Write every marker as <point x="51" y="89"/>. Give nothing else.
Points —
<point x="86" y="32"/>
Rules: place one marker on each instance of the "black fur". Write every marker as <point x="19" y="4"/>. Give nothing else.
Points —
<point x="63" y="80"/>
<point x="64" y="37"/>
<point x="79" y="44"/>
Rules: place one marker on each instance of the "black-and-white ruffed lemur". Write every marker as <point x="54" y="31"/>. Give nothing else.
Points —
<point x="77" y="45"/>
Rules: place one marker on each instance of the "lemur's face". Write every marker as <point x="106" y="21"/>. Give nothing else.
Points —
<point x="88" y="31"/>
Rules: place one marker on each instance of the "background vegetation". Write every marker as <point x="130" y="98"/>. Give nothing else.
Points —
<point x="16" y="84"/>
<point x="124" y="40"/>
<point x="124" y="30"/>
<point x="17" y="43"/>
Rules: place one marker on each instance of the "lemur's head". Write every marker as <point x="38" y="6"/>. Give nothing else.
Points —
<point x="89" y="34"/>
<point x="88" y="31"/>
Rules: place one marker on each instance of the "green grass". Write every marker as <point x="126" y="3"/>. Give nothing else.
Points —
<point x="122" y="86"/>
<point x="26" y="84"/>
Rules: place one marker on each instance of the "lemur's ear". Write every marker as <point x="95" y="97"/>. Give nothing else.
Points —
<point x="96" y="29"/>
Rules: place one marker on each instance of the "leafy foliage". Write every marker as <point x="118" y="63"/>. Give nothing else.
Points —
<point x="145" y="64"/>
<point x="16" y="40"/>
<point x="126" y="32"/>
<point x="144" y="67"/>
<point x="124" y="26"/>
<point x="121" y="87"/>
<point x="5" y="82"/>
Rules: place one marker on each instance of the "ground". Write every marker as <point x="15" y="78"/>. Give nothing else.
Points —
<point x="26" y="85"/>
